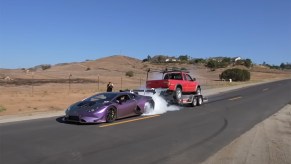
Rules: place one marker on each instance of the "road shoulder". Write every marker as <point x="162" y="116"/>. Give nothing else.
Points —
<point x="267" y="142"/>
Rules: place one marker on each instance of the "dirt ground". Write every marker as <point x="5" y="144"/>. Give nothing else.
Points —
<point x="269" y="142"/>
<point x="51" y="91"/>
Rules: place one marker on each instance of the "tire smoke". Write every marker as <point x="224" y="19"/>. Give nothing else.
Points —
<point x="161" y="106"/>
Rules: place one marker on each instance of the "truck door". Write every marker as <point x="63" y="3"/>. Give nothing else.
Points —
<point x="191" y="84"/>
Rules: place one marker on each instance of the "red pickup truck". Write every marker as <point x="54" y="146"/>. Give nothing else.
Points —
<point x="176" y="84"/>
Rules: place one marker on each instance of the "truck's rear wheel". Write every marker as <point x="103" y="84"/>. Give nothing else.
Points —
<point x="199" y="100"/>
<point x="194" y="102"/>
<point x="178" y="95"/>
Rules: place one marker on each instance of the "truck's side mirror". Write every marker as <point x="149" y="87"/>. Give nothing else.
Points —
<point x="194" y="79"/>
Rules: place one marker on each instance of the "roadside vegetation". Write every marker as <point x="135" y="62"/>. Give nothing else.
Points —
<point x="235" y="74"/>
<point x="2" y="109"/>
<point x="214" y="62"/>
<point x="129" y="74"/>
<point x="211" y="63"/>
<point x="282" y="66"/>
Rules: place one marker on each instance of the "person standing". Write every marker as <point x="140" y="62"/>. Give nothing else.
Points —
<point x="109" y="87"/>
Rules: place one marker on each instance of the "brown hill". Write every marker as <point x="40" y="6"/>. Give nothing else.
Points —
<point x="54" y="89"/>
<point x="114" y="68"/>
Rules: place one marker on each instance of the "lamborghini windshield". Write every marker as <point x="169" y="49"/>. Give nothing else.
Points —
<point x="102" y="97"/>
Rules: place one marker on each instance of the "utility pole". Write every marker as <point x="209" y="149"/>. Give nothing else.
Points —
<point x="98" y="82"/>
<point x="121" y="82"/>
<point x="70" y="75"/>
<point x="32" y="78"/>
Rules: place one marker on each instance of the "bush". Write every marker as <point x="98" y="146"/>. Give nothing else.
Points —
<point x="236" y="74"/>
<point x="145" y="60"/>
<point x="199" y="60"/>
<point x="129" y="73"/>
<point x="175" y="69"/>
<point x="218" y="63"/>
<point x="211" y="64"/>
<point x="2" y="109"/>
<point x="45" y="66"/>
<point x="248" y="63"/>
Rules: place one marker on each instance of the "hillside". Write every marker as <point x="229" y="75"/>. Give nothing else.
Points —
<point x="113" y="68"/>
<point x="53" y="89"/>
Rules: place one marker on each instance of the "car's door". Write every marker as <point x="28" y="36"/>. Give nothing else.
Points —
<point x="126" y="106"/>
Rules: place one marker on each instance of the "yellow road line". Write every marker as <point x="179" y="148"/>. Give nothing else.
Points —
<point x="265" y="89"/>
<point x="235" y="98"/>
<point x="122" y="122"/>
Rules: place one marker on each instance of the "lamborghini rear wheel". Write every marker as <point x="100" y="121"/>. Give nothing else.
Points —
<point x="111" y="115"/>
<point x="148" y="106"/>
<point x="138" y="111"/>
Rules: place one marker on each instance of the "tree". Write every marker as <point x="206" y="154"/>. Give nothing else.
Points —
<point x="160" y="59"/>
<point x="248" y="63"/>
<point x="282" y="66"/>
<point x="183" y="57"/>
<point x="226" y="60"/>
<point x="149" y="57"/>
<point x="45" y="66"/>
<point x="199" y="60"/>
<point x="211" y="64"/>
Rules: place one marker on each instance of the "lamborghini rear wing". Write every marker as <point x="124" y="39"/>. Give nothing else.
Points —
<point x="140" y="91"/>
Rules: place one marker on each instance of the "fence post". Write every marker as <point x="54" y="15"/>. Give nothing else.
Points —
<point x="140" y="81"/>
<point x="32" y="78"/>
<point x="121" y="83"/>
<point x="98" y="82"/>
<point x="70" y="75"/>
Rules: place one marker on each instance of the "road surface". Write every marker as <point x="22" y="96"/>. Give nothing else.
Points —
<point x="189" y="135"/>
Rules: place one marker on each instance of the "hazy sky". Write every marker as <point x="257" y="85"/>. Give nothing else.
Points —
<point x="34" y="32"/>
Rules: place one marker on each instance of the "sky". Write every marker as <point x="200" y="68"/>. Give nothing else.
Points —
<point x="34" y="32"/>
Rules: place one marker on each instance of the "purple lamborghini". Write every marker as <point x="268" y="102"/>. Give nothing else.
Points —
<point x="107" y="107"/>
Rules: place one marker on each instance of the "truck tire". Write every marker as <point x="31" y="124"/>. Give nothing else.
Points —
<point x="178" y="94"/>
<point x="194" y="102"/>
<point x="198" y="91"/>
<point x="199" y="100"/>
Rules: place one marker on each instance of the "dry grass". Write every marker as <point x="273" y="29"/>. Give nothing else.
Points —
<point x="33" y="95"/>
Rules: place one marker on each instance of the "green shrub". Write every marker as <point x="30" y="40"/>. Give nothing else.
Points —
<point x="45" y="66"/>
<point x="248" y="63"/>
<point x="129" y="74"/>
<point x="236" y="74"/>
<point x="2" y="109"/>
<point x="175" y="69"/>
<point x="199" y="60"/>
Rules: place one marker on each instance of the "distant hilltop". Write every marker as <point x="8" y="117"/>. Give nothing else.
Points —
<point x="212" y="62"/>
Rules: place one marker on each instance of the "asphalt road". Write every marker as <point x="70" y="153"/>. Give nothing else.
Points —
<point x="189" y="135"/>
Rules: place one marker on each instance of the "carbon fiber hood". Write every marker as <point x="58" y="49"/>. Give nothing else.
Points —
<point x="86" y="105"/>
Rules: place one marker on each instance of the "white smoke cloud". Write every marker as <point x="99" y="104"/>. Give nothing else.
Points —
<point x="161" y="106"/>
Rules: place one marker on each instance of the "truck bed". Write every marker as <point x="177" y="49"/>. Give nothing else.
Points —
<point x="157" y="83"/>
